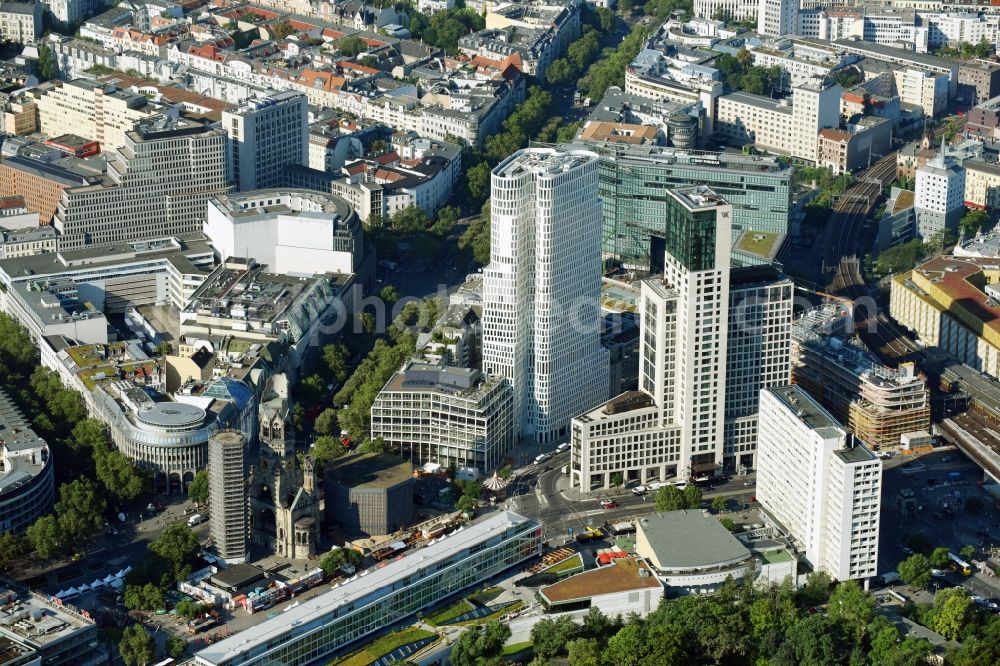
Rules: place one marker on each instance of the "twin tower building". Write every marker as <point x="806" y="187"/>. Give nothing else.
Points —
<point x="710" y="339"/>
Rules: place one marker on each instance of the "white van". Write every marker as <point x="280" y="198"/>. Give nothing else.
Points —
<point x="542" y="457"/>
<point x="196" y="519"/>
<point x="562" y="447"/>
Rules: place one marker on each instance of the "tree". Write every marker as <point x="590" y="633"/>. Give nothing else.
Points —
<point x="466" y="504"/>
<point x="374" y="445"/>
<point x="147" y="598"/>
<point x="549" y="637"/>
<point x="446" y="220"/>
<point x="80" y="510"/>
<point x="368" y="322"/>
<point x="815" y="591"/>
<point x="584" y="652"/>
<point x="939" y="558"/>
<point x="477" y="179"/>
<point x="915" y="570"/>
<point x="176" y="646"/>
<point x="336" y="356"/>
<point x="178" y="545"/>
<point x="47" y="68"/>
<point x="476" y="238"/>
<point x="351" y="46"/>
<point x="389" y="294"/>
<point x="852" y="607"/>
<point x="719" y="504"/>
<point x="189" y="609"/>
<point x="409" y="219"/>
<point x="338" y="557"/>
<point x="669" y="498"/>
<point x="198" y="488"/>
<point x="899" y="257"/>
<point x="137" y="647"/>
<point x="282" y="30"/>
<point x="628" y="647"/>
<point x="505" y="472"/>
<point x="968" y="553"/>
<point x="950" y="611"/>
<point x="45" y="537"/>
<point x="89" y="435"/>
<point x="12" y="547"/>
<point x="692" y="496"/>
<point x="163" y="348"/>
<point x="973" y="222"/>
<point x="326" y="448"/>
<point x="326" y="422"/>
<point x="728" y="523"/>
<point x="119" y="475"/>
<point x="480" y="644"/>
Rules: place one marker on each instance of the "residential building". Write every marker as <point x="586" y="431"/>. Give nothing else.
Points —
<point x="660" y="79"/>
<point x="288" y="230"/>
<point x="227" y="495"/>
<point x="42" y="183"/>
<point x="634" y="182"/>
<point x="26" y="242"/>
<point x="158" y="185"/>
<point x="541" y="289"/>
<point x="950" y="302"/>
<point x="48" y="307"/>
<point x="959" y="27"/>
<point x="446" y="415"/>
<point x="877" y="403"/>
<point x="673" y="425"/>
<point x="818" y="484"/>
<point x="928" y="90"/>
<point x="735" y="10"/>
<point x="979" y="80"/>
<point x="96" y="111"/>
<point x="940" y="195"/>
<point x="777" y="17"/>
<point x="20" y="117"/>
<point x="894" y="27"/>
<point x="369" y="493"/>
<point x="903" y="58"/>
<point x="264" y="137"/>
<point x="20" y="22"/>
<point x="982" y="184"/>
<point x="777" y="126"/>
<point x="800" y="60"/>
<point x="360" y="606"/>
<point x="38" y="629"/>
<point x="757" y="354"/>
<point x="75" y="56"/>
<point x="984" y="118"/>
<point x="829" y="24"/>
<point x="27" y="489"/>
<point x="857" y="147"/>
<point x="69" y="12"/>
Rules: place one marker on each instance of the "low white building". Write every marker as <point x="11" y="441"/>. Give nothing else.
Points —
<point x="289" y="230"/>
<point x="625" y="586"/>
<point x="818" y="484"/>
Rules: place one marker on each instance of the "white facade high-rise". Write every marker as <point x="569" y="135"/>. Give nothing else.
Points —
<point x="542" y="288"/>
<point x="264" y="137"/>
<point x="940" y="195"/>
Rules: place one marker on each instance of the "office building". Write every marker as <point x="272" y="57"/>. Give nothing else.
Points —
<point x="21" y="22"/>
<point x="541" y="327"/>
<point x="633" y="184"/>
<point x="777" y="17"/>
<point x="27" y="489"/>
<point x="369" y="493"/>
<point x="158" y="185"/>
<point x="818" y="484"/>
<point x="42" y="183"/>
<point x="940" y="195"/>
<point x="37" y="630"/>
<point x="735" y="10"/>
<point x="447" y="415"/>
<point x="362" y="605"/>
<point x="54" y="308"/>
<point x="757" y="354"/>
<point x="673" y="425"/>
<point x="979" y="80"/>
<point x="290" y="231"/>
<point x="777" y="126"/>
<point x="625" y="586"/>
<point x="264" y="137"/>
<point x="919" y="87"/>
<point x="90" y="109"/>
<point x="879" y="404"/>
<point x="902" y="58"/>
<point x="227" y="495"/>
<point x="984" y="118"/>
<point x="951" y="303"/>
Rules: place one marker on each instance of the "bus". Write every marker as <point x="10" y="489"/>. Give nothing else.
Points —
<point x="958" y="564"/>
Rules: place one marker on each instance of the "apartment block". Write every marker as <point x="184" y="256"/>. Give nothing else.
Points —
<point x="673" y="425"/>
<point x="736" y="10"/>
<point x="158" y="185"/>
<point x="818" y="484"/>
<point x="780" y="126"/>
<point x="227" y="495"/>
<point x="96" y="111"/>
<point x="264" y="137"/>
<point x="982" y="184"/>
<point x="928" y="90"/>
<point x="541" y="289"/>
<point x="447" y="415"/>
<point x="979" y="80"/>
<point x="777" y="17"/>
<point x="939" y="195"/>
<point x="21" y="22"/>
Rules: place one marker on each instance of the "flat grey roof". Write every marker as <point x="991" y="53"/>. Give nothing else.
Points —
<point x="366" y="583"/>
<point x="759" y="101"/>
<point x="893" y="52"/>
<point x="690" y="539"/>
<point x="171" y="414"/>
<point x="370" y="470"/>
<point x="805" y="407"/>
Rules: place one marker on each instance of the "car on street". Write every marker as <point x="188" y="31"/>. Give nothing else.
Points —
<point x="907" y="551"/>
<point x="747" y="484"/>
<point x="639" y="490"/>
<point x="655" y="485"/>
<point x="562" y="447"/>
<point x="542" y="457"/>
<point x="937" y="573"/>
<point x="609" y="504"/>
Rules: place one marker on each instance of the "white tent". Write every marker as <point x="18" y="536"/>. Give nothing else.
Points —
<point x="96" y="584"/>
<point x="60" y="594"/>
<point x="118" y="584"/>
<point x="83" y="588"/>
<point x="70" y="592"/>
<point x="109" y="578"/>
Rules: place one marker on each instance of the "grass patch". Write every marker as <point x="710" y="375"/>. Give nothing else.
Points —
<point x="516" y="648"/>
<point x="383" y="646"/>
<point x="512" y="608"/>
<point x="486" y="596"/>
<point x="570" y="563"/>
<point x="460" y="607"/>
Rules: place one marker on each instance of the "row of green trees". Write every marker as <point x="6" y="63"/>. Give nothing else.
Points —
<point x="739" y="625"/>
<point x="739" y="73"/>
<point x="99" y="474"/>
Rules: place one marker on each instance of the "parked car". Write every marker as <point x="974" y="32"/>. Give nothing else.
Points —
<point x="639" y="490"/>
<point x="562" y="447"/>
<point x="937" y="573"/>
<point x="609" y="504"/>
<point x="542" y="457"/>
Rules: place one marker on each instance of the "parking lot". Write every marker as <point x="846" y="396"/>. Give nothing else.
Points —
<point x="938" y="514"/>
